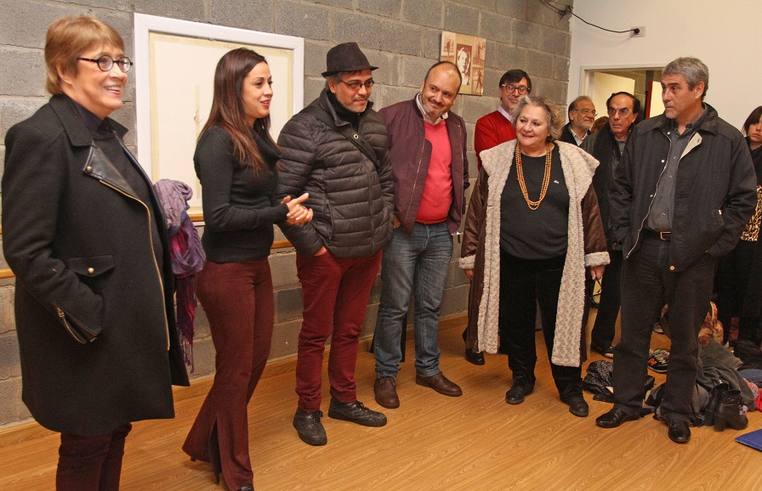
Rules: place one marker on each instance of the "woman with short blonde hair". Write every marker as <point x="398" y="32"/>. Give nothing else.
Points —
<point x="85" y="237"/>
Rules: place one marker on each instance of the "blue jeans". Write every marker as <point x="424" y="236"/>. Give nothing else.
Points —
<point x="417" y="260"/>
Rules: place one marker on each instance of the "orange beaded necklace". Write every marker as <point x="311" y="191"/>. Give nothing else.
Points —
<point x="532" y="204"/>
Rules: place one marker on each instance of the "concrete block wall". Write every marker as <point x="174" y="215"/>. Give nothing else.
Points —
<point x="401" y="37"/>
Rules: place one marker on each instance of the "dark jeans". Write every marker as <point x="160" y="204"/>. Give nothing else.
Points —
<point x="335" y="292"/>
<point x="523" y="284"/>
<point x="733" y="275"/>
<point x="417" y="263"/>
<point x="238" y="301"/>
<point x="647" y="284"/>
<point x="608" y="307"/>
<point x="91" y="463"/>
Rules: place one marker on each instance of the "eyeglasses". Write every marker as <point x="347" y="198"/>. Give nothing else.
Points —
<point x="521" y="89"/>
<point x="622" y="111"/>
<point x="106" y="63"/>
<point x="585" y="111"/>
<point x="356" y="84"/>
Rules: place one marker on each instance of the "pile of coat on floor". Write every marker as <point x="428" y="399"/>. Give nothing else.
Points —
<point x="728" y="384"/>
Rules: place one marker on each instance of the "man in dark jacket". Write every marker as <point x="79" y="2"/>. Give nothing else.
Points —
<point x="607" y="146"/>
<point x="427" y="148"/>
<point x="335" y="150"/>
<point x="684" y="191"/>
<point x="581" y="118"/>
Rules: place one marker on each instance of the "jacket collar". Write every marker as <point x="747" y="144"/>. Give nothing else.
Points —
<point x="422" y="110"/>
<point x="74" y="125"/>
<point x="709" y="123"/>
<point x="325" y="103"/>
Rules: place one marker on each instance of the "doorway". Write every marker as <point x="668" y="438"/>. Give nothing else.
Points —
<point x="644" y="83"/>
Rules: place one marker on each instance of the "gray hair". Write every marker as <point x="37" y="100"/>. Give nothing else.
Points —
<point x="693" y="71"/>
<point x="551" y="114"/>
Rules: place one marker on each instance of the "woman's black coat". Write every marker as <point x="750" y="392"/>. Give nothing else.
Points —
<point x="93" y="310"/>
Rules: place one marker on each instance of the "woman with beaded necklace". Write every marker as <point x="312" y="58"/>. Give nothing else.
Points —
<point x="532" y="228"/>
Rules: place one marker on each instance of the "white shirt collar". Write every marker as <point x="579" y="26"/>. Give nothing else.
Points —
<point x="423" y="110"/>
<point x="505" y="113"/>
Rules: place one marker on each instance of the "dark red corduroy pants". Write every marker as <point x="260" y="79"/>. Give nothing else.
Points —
<point x="335" y="293"/>
<point x="91" y="463"/>
<point x="238" y="301"/>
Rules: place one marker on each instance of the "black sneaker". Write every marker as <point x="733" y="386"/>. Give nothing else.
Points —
<point x="309" y="427"/>
<point x="356" y="412"/>
<point x="658" y="361"/>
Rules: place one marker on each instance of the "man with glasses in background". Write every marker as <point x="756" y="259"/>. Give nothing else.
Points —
<point x="581" y="119"/>
<point x="493" y="129"/>
<point x="427" y="150"/>
<point x="335" y="150"/>
<point x="607" y="146"/>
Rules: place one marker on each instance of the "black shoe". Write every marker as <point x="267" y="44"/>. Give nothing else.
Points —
<point x="577" y="405"/>
<point x="615" y="417"/>
<point x="606" y="352"/>
<point x="247" y="487"/>
<point x="477" y="358"/>
<point x="309" y="427"/>
<point x="356" y="412"/>
<point x="678" y="430"/>
<point x="517" y="392"/>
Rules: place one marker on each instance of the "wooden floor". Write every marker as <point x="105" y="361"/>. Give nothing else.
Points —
<point x="474" y="442"/>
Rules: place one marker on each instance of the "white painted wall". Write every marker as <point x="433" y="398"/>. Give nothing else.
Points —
<point x="724" y="35"/>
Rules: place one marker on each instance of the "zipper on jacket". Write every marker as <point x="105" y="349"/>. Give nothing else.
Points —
<point x="415" y="181"/>
<point x="62" y="316"/>
<point x="650" y="204"/>
<point x="153" y="253"/>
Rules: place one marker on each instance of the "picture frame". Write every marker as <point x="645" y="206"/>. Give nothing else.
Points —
<point x="175" y="62"/>
<point x="468" y="53"/>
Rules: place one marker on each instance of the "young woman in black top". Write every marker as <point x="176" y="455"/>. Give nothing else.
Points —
<point x="235" y="162"/>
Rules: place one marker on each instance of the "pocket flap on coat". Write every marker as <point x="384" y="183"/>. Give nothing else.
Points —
<point x="90" y="266"/>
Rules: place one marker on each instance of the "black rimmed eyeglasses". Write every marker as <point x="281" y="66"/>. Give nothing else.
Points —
<point x="106" y="63"/>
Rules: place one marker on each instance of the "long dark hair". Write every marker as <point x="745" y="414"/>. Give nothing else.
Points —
<point x="227" y="106"/>
<point x="753" y="118"/>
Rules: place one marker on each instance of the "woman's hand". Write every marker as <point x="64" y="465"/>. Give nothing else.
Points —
<point x="469" y="274"/>
<point x="297" y="213"/>
<point x="596" y="272"/>
<point x="321" y="251"/>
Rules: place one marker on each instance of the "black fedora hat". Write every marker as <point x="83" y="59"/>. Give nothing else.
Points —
<point x="346" y="57"/>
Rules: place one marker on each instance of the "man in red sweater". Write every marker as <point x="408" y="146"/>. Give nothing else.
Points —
<point x="493" y="129"/>
<point x="427" y="150"/>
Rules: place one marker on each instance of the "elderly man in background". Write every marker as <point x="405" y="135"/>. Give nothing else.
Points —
<point x="607" y="145"/>
<point x="581" y="119"/>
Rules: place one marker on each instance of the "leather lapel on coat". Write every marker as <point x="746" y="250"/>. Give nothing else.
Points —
<point x="100" y="167"/>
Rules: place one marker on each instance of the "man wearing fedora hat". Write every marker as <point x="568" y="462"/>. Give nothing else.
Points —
<point x="335" y="150"/>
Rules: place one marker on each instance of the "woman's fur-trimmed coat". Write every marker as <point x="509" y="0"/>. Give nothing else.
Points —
<point x="481" y="247"/>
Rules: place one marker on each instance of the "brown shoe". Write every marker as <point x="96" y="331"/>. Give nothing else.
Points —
<point x="385" y="389"/>
<point x="440" y="384"/>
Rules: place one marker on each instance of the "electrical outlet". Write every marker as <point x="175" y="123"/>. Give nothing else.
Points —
<point x="638" y="32"/>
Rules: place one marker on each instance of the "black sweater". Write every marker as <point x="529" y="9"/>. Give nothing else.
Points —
<point x="541" y="233"/>
<point x="239" y="206"/>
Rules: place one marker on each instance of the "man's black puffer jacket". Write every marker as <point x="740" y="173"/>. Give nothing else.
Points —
<point x="351" y="195"/>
